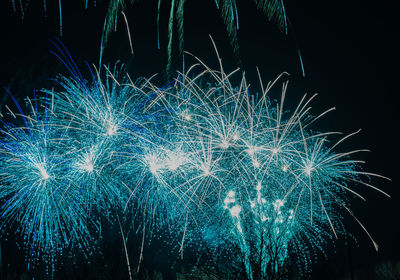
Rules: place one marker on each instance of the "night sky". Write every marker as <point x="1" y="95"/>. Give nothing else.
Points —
<point x="349" y="56"/>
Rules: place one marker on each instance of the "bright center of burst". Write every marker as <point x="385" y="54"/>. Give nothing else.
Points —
<point x="252" y="150"/>
<point x="308" y="170"/>
<point x="275" y="151"/>
<point x="44" y="173"/>
<point x="111" y="129"/>
<point x="206" y="170"/>
<point x="186" y="116"/>
<point x="235" y="210"/>
<point x="88" y="166"/>
<point x="224" y="144"/>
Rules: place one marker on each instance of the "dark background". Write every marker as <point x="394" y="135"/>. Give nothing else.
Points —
<point x="350" y="59"/>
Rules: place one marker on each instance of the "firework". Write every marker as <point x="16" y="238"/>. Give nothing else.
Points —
<point x="273" y="10"/>
<point x="195" y="159"/>
<point x="37" y="198"/>
<point x="281" y="187"/>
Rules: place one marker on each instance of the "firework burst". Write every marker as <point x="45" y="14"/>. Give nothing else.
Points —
<point x="281" y="186"/>
<point x="36" y="196"/>
<point x="196" y="158"/>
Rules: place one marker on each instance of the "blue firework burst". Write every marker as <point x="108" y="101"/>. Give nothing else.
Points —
<point x="196" y="159"/>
